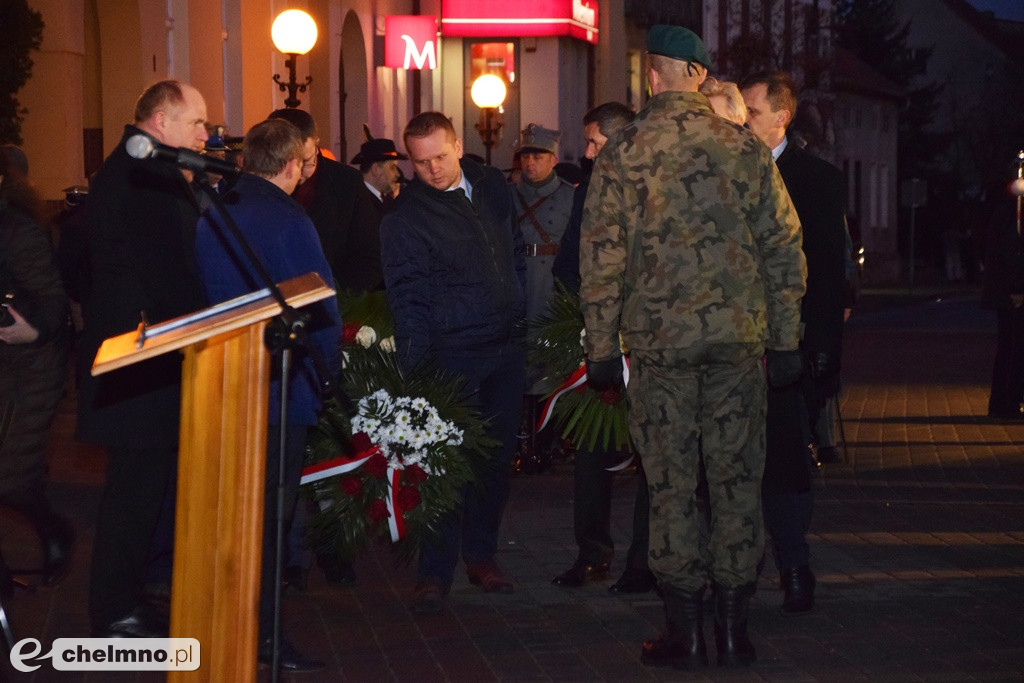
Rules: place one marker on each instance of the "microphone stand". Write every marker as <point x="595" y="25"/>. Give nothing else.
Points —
<point x="284" y="333"/>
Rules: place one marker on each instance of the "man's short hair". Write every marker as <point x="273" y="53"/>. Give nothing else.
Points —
<point x="610" y="117"/>
<point x="157" y="97"/>
<point x="269" y="146"/>
<point x="425" y="124"/>
<point x="299" y="118"/>
<point x="727" y="90"/>
<point x="781" y="91"/>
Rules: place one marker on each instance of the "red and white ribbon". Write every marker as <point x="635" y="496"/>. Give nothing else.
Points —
<point x="577" y="379"/>
<point x="346" y="464"/>
<point x="336" y="466"/>
<point x="396" y="521"/>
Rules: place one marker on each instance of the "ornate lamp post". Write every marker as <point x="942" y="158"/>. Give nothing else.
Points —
<point x="294" y="34"/>
<point x="488" y="92"/>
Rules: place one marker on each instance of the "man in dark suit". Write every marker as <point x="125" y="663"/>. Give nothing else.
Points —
<point x="141" y="222"/>
<point x="378" y="162"/>
<point x="330" y="193"/>
<point x="592" y="482"/>
<point x="818" y="191"/>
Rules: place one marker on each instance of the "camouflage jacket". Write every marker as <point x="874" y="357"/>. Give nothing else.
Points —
<point x="689" y="237"/>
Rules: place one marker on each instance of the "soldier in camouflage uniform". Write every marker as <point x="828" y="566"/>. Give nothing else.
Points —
<point x="543" y="204"/>
<point x="691" y="250"/>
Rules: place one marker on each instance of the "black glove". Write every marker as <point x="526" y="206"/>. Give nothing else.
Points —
<point x="603" y="375"/>
<point x="784" y="367"/>
<point x="822" y="364"/>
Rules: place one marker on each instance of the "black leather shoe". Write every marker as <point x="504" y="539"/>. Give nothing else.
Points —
<point x="580" y="573"/>
<point x="798" y="583"/>
<point x="291" y="659"/>
<point x="58" y="540"/>
<point x="634" y="581"/>
<point x="337" y="572"/>
<point x="144" y="621"/>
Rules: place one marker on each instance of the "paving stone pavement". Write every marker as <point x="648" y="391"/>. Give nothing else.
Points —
<point x="917" y="542"/>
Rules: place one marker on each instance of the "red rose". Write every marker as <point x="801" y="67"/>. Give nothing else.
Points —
<point x="351" y="485"/>
<point x="611" y="396"/>
<point x="361" y="442"/>
<point x="414" y="475"/>
<point x="408" y="498"/>
<point x="376" y="466"/>
<point x="348" y="333"/>
<point x="378" y="510"/>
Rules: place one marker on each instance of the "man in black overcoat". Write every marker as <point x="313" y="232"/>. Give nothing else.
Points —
<point x="818" y="191"/>
<point x="331" y="193"/>
<point x="141" y="223"/>
<point x="378" y="163"/>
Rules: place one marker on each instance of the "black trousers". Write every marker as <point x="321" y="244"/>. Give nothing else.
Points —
<point x="133" y="494"/>
<point x="592" y="496"/>
<point x="786" y="488"/>
<point x="1008" y="369"/>
<point x="295" y="447"/>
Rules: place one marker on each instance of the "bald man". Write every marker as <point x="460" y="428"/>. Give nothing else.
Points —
<point x="141" y="224"/>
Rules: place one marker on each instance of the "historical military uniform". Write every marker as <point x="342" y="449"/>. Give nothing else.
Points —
<point x="543" y="213"/>
<point x="691" y="248"/>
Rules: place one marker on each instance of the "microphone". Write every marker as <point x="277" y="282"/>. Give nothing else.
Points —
<point x="144" y="147"/>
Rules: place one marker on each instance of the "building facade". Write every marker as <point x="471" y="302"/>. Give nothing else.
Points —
<point x="98" y="55"/>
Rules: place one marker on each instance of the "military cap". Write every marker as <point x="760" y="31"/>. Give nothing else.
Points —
<point x="377" y="149"/>
<point x="677" y="42"/>
<point x="539" y="139"/>
<point x="215" y="141"/>
<point x="75" y="195"/>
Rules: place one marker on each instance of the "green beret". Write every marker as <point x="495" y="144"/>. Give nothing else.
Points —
<point x="677" y="42"/>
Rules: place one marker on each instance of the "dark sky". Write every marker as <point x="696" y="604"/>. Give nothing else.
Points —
<point x="1004" y="9"/>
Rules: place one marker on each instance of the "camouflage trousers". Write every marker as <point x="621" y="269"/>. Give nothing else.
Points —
<point x="685" y="402"/>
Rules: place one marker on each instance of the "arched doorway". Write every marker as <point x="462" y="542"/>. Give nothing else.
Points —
<point x="352" y="84"/>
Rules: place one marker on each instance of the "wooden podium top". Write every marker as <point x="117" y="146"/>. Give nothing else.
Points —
<point x="127" y="349"/>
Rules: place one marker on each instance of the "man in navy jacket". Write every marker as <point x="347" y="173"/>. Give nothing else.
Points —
<point x="286" y="243"/>
<point x="455" y="271"/>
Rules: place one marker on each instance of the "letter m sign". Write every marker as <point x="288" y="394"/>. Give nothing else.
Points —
<point x="410" y="42"/>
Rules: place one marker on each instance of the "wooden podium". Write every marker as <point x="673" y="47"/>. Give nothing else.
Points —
<point x="219" y="524"/>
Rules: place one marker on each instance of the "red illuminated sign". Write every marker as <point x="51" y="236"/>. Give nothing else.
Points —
<point x="410" y="42"/>
<point x="492" y="18"/>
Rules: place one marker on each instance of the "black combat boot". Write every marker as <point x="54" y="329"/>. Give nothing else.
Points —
<point x="682" y="645"/>
<point x="732" y="608"/>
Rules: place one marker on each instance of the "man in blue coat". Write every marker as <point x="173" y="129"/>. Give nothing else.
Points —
<point x="286" y="243"/>
<point x="455" y="270"/>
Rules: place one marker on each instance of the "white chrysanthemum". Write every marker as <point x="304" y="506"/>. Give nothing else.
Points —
<point x="366" y="336"/>
<point x="387" y="344"/>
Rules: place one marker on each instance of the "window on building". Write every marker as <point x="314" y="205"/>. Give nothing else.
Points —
<point x="883" y="196"/>
<point x="873" y="194"/>
<point x="857" y="185"/>
<point x="634" y="80"/>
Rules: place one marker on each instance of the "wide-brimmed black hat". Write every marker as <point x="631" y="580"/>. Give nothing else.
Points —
<point x="378" y="149"/>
